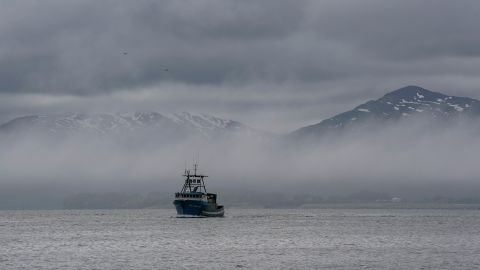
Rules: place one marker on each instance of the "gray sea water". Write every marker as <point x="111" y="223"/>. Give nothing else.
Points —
<point x="248" y="239"/>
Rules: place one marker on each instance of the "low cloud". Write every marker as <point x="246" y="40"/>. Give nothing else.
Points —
<point x="403" y="159"/>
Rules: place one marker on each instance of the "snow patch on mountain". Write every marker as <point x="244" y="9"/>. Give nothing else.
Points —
<point x="363" y="110"/>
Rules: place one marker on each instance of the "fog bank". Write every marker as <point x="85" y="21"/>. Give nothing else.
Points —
<point x="409" y="160"/>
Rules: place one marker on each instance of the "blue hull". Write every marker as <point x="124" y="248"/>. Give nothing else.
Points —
<point x="188" y="207"/>
<point x="197" y="208"/>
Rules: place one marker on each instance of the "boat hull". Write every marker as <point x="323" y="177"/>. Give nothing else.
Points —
<point x="216" y="213"/>
<point x="198" y="208"/>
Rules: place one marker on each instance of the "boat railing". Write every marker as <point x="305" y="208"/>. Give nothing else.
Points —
<point x="186" y="195"/>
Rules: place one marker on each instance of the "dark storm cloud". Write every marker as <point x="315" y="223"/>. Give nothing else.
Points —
<point x="87" y="47"/>
<point x="404" y="29"/>
<point x="321" y="57"/>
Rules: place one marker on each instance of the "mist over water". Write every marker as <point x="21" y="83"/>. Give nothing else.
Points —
<point x="410" y="159"/>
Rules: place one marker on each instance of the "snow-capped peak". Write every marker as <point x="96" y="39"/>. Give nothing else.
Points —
<point x="119" y="123"/>
<point x="404" y="103"/>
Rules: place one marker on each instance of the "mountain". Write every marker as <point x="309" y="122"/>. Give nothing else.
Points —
<point x="177" y="125"/>
<point x="411" y="102"/>
<point x="407" y="103"/>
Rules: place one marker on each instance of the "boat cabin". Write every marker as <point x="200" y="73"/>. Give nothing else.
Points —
<point x="210" y="197"/>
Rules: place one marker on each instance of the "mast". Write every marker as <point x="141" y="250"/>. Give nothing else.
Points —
<point x="194" y="182"/>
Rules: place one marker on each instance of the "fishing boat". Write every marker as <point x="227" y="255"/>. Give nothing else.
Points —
<point x="194" y="200"/>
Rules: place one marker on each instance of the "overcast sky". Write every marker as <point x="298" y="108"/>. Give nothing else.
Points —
<point x="272" y="64"/>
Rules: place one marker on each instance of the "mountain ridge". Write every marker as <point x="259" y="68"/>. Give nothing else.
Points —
<point x="172" y="124"/>
<point x="410" y="101"/>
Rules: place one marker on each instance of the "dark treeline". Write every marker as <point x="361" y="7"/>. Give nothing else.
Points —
<point x="248" y="199"/>
<point x="113" y="200"/>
